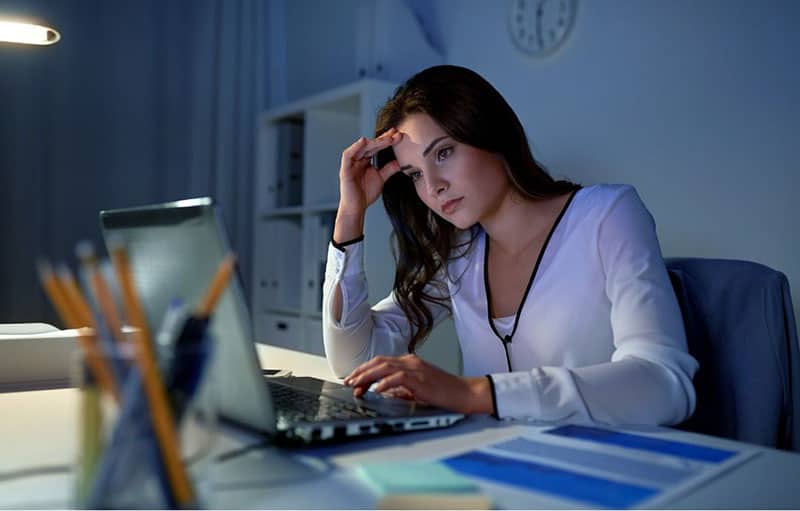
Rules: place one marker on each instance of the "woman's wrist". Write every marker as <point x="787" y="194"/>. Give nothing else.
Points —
<point x="348" y="226"/>
<point x="479" y="396"/>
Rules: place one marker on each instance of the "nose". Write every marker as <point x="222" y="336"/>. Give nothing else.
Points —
<point x="435" y="183"/>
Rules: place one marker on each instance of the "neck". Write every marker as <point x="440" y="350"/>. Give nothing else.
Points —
<point x="518" y="222"/>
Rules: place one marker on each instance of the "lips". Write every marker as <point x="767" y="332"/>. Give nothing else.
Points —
<point x="450" y="206"/>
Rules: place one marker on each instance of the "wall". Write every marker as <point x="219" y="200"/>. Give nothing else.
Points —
<point x="695" y="103"/>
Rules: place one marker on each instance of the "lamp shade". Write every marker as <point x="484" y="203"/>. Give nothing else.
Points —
<point x="27" y="32"/>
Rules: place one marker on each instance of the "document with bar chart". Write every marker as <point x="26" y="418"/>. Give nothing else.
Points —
<point x="597" y="468"/>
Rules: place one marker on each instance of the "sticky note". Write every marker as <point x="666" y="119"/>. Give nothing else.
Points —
<point x="414" y="477"/>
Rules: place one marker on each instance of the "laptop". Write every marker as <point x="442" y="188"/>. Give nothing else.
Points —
<point x="174" y="249"/>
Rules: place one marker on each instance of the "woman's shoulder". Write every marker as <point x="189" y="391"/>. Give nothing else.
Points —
<point x="605" y="193"/>
<point x="593" y="204"/>
<point x="598" y="200"/>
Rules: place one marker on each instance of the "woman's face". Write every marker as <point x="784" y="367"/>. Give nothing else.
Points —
<point x="462" y="184"/>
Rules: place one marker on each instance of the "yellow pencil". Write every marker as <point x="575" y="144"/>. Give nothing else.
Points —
<point x="64" y="295"/>
<point x="83" y="313"/>
<point x="163" y="422"/>
<point x="102" y="292"/>
<point x="218" y="284"/>
<point x="91" y="441"/>
<point x="54" y="292"/>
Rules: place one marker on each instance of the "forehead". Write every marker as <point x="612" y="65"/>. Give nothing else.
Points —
<point x="420" y="128"/>
<point x="418" y="131"/>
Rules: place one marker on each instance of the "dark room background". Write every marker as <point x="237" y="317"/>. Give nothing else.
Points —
<point x="141" y="101"/>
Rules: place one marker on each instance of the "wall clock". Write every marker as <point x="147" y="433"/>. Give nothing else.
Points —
<point x="539" y="27"/>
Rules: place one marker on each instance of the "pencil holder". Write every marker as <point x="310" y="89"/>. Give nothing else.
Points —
<point x="123" y="461"/>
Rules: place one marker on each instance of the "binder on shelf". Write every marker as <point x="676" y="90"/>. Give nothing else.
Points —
<point x="289" y="176"/>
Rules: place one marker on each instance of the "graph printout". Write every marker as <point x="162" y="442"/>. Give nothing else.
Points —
<point x="597" y="467"/>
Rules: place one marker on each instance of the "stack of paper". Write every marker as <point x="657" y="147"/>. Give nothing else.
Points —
<point x="35" y="356"/>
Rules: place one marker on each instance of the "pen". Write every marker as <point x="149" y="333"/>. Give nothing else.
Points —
<point x="163" y="422"/>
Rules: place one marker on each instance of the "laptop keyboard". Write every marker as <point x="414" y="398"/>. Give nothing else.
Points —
<point x="295" y="405"/>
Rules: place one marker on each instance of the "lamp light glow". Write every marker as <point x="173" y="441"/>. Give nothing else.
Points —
<point x="27" y="33"/>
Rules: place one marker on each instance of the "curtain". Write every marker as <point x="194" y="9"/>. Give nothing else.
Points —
<point x="142" y="101"/>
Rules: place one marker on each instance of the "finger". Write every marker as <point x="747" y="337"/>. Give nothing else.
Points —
<point x="389" y="138"/>
<point x="373" y="374"/>
<point x="400" y="392"/>
<point x="348" y="153"/>
<point x="355" y="168"/>
<point x="399" y="378"/>
<point x="373" y="146"/>
<point x="364" y="367"/>
<point x="387" y="134"/>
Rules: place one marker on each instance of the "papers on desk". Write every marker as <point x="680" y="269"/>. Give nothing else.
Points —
<point x="35" y="356"/>
<point x="596" y="467"/>
<point x="568" y="466"/>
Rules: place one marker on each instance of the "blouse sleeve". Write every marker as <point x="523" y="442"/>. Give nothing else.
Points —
<point x="363" y="332"/>
<point x="649" y="377"/>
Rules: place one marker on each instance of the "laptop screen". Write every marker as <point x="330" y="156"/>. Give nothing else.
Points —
<point x="174" y="249"/>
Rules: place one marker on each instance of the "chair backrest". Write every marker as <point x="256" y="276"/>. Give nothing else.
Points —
<point x="740" y="327"/>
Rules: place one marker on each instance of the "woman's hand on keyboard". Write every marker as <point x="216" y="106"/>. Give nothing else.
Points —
<point x="410" y="377"/>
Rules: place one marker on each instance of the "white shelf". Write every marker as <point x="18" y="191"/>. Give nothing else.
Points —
<point x="283" y="312"/>
<point x="299" y="210"/>
<point x="296" y="198"/>
<point x="322" y="208"/>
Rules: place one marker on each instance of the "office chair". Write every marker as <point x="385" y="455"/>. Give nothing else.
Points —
<point x="740" y="327"/>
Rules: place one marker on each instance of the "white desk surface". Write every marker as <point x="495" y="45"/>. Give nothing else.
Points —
<point x="38" y="430"/>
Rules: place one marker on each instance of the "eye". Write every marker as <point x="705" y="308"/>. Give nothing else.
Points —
<point x="444" y="153"/>
<point x="415" y="175"/>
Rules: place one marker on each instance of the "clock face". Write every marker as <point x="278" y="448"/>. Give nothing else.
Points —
<point x="538" y="27"/>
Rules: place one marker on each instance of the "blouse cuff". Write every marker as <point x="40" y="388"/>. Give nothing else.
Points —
<point x="343" y="244"/>
<point x="344" y="263"/>
<point x="517" y="394"/>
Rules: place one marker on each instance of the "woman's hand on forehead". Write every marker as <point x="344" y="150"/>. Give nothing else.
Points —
<point x="388" y="138"/>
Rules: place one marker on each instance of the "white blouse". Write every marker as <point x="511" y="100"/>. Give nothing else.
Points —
<point x="599" y="339"/>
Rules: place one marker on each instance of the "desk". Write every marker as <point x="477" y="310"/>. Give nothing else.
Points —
<point x="38" y="429"/>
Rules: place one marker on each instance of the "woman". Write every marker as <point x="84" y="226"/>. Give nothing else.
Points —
<point x="560" y="298"/>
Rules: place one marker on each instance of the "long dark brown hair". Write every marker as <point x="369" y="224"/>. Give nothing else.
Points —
<point x="471" y="111"/>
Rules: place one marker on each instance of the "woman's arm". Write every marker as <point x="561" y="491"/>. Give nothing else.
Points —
<point x="649" y="377"/>
<point x="357" y="332"/>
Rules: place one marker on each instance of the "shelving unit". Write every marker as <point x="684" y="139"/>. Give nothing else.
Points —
<point x="296" y="197"/>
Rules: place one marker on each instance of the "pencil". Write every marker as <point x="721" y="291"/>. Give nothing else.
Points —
<point x="67" y="308"/>
<point x="102" y="292"/>
<point x="91" y="441"/>
<point x="83" y="313"/>
<point x="163" y="422"/>
<point x="218" y="284"/>
<point x="55" y="294"/>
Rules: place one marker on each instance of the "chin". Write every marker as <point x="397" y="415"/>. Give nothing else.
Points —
<point x="461" y="222"/>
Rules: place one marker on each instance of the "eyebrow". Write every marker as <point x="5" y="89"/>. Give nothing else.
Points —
<point x="426" y="151"/>
<point x="430" y="146"/>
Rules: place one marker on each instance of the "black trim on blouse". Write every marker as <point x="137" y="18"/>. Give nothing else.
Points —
<point x="506" y="339"/>
<point x="340" y="246"/>
<point x="494" y="397"/>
